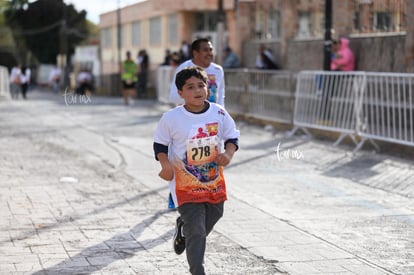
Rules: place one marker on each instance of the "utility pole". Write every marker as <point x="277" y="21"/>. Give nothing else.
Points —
<point x="64" y="51"/>
<point x="118" y="32"/>
<point x="328" y="39"/>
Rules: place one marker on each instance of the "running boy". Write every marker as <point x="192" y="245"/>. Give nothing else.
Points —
<point x="187" y="144"/>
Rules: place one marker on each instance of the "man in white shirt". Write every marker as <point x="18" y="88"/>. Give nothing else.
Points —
<point x="84" y="80"/>
<point x="25" y="80"/>
<point x="202" y="55"/>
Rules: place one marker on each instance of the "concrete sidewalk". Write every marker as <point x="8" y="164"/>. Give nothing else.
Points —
<point x="80" y="195"/>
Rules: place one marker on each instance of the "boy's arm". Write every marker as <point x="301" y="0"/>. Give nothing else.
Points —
<point x="167" y="172"/>
<point x="231" y="146"/>
<point x="161" y="154"/>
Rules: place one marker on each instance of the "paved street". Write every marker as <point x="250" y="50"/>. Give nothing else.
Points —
<point x="79" y="194"/>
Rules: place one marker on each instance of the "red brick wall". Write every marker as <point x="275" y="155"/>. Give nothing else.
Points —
<point x="409" y="42"/>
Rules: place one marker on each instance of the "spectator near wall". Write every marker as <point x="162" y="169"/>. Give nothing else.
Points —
<point x="231" y="60"/>
<point x="265" y="59"/>
<point x="343" y="58"/>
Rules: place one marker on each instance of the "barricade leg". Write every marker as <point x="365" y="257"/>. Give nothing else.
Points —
<point x="362" y="142"/>
<point x="295" y="129"/>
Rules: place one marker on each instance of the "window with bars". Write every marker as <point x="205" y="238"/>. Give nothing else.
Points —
<point x="310" y="24"/>
<point x="382" y="21"/>
<point x="267" y="25"/>
<point x="106" y="38"/>
<point x="273" y="25"/>
<point x="304" y="25"/>
<point x="155" y="31"/>
<point x="206" y="21"/>
<point x="172" y="29"/>
<point x="136" y="33"/>
<point x="379" y="16"/>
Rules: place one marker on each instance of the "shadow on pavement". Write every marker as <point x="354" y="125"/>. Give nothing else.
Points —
<point x="70" y="219"/>
<point x="357" y="169"/>
<point x="120" y="246"/>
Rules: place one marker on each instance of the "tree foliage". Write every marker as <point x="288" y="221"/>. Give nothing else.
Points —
<point x="47" y="27"/>
<point x="5" y="32"/>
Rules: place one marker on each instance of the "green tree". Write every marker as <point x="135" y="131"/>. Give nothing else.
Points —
<point x="5" y="33"/>
<point x="46" y="27"/>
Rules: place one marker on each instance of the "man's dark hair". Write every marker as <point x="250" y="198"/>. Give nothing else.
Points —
<point x="195" y="46"/>
<point x="188" y="72"/>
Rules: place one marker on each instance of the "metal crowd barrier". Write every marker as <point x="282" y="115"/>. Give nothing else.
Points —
<point x="388" y="108"/>
<point x="370" y="106"/>
<point x="329" y="101"/>
<point x="4" y="83"/>
<point x="260" y="94"/>
<point x="164" y="78"/>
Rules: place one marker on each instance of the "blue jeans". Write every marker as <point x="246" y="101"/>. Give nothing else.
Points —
<point x="15" y="90"/>
<point x="199" y="220"/>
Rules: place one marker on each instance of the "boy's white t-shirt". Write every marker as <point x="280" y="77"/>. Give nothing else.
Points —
<point x="215" y="83"/>
<point x="193" y="142"/>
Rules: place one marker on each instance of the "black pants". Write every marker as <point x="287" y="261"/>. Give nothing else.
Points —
<point x="199" y="220"/>
<point x="142" y="83"/>
<point x="24" y="86"/>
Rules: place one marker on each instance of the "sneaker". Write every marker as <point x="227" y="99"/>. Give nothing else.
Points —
<point x="171" y="204"/>
<point x="179" y="240"/>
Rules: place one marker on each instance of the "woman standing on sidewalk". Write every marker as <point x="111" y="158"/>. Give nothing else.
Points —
<point x="129" y="78"/>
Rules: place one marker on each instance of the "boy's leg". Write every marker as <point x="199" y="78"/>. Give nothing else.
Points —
<point x="199" y="220"/>
<point x="194" y="218"/>
<point x="213" y="214"/>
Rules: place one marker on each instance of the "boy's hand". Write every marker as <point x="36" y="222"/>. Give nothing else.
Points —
<point x="223" y="159"/>
<point x="166" y="173"/>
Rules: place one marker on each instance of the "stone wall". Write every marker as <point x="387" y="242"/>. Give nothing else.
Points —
<point x="305" y="55"/>
<point x="379" y="54"/>
<point x="372" y="53"/>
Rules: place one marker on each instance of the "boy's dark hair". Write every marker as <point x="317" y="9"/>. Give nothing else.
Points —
<point x="188" y="72"/>
<point x="195" y="46"/>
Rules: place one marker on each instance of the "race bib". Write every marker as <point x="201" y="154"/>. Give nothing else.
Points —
<point x="202" y="150"/>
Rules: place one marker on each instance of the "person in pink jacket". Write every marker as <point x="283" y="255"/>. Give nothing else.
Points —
<point x="343" y="59"/>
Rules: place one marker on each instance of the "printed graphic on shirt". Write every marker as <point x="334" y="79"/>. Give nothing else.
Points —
<point x="198" y="178"/>
<point x="212" y="87"/>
